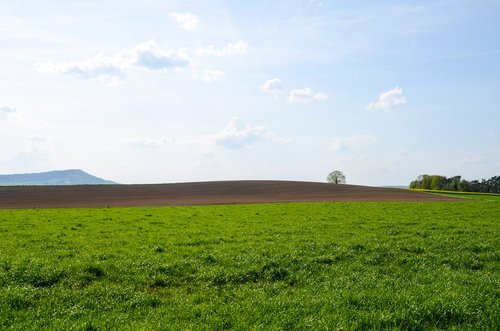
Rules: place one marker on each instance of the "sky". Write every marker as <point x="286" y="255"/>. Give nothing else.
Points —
<point x="150" y="91"/>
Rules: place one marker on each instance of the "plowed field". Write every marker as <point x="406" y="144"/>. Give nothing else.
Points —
<point x="200" y="193"/>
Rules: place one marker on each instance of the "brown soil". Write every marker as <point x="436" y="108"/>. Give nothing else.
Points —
<point x="202" y="193"/>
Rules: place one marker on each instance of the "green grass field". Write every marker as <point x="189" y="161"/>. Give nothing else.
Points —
<point x="318" y="266"/>
<point x="467" y="195"/>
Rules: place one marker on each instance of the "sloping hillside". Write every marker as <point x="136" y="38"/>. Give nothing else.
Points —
<point x="202" y="193"/>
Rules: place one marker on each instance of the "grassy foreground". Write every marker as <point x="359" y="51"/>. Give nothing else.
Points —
<point x="277" y="266"/>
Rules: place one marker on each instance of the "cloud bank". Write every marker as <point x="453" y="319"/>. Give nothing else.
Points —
<point x="305" y="95"/>
<point x="186" y="21"/>
<point x="237" y="135"/>
<point x="239" y="47"/>
<point x="275" y="88"/>
<point x="212" y="75"/>
<point x="388" y="100"/>
<point x="111" y="69"/>
<point x="5" y="111"/>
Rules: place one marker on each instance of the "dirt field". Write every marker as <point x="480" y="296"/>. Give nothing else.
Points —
<point x="202" y="193"/>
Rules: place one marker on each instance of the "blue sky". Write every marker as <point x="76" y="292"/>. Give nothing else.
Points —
<point x="152" y="91"/>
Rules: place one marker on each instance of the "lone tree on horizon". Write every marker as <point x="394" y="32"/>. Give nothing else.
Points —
<point x="336" y="177"/>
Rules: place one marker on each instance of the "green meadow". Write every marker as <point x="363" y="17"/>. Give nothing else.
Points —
<point x="465" y="195"/>
<point x="318" y="266"/>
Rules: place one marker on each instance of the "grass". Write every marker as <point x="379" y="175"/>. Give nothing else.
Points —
<point x="467" y="195"/>
<point x="351" y="266"/>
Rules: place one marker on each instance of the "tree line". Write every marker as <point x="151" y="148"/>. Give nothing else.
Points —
<point x="456" y="183"/>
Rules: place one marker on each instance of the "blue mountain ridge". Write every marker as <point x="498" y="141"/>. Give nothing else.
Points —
<point x="57" y="177"/>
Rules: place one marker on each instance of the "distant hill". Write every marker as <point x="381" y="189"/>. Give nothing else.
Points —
<point x="58" y="177"/>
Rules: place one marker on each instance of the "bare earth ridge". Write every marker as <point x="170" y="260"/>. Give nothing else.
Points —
<point x="200" y="193"/>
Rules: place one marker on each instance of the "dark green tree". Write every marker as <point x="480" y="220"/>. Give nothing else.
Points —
<point x="437" y="182"/>
<point x="336" y="177"/>
<point x="426" y="182"/>
<point x="456" y="183"/>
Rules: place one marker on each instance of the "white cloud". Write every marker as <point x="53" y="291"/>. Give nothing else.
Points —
<point x="5" y="111"/>
<point x="107" y="69"/>
<point x="239" y="47"/>
<point x="389" y="99"/>
<point x="348" y="143"/>
<point x="187" y="21"/>
<point x="149" y="56"/>
<point x="111" y="69"/>
<point x="305" y="95"/>
<point x="212" y="75"/>
<point x="273" y="87"/>
<point x="237" y="135"/>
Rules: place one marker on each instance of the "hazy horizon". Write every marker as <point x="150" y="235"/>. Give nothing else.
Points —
<point x="182" y="91"/>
